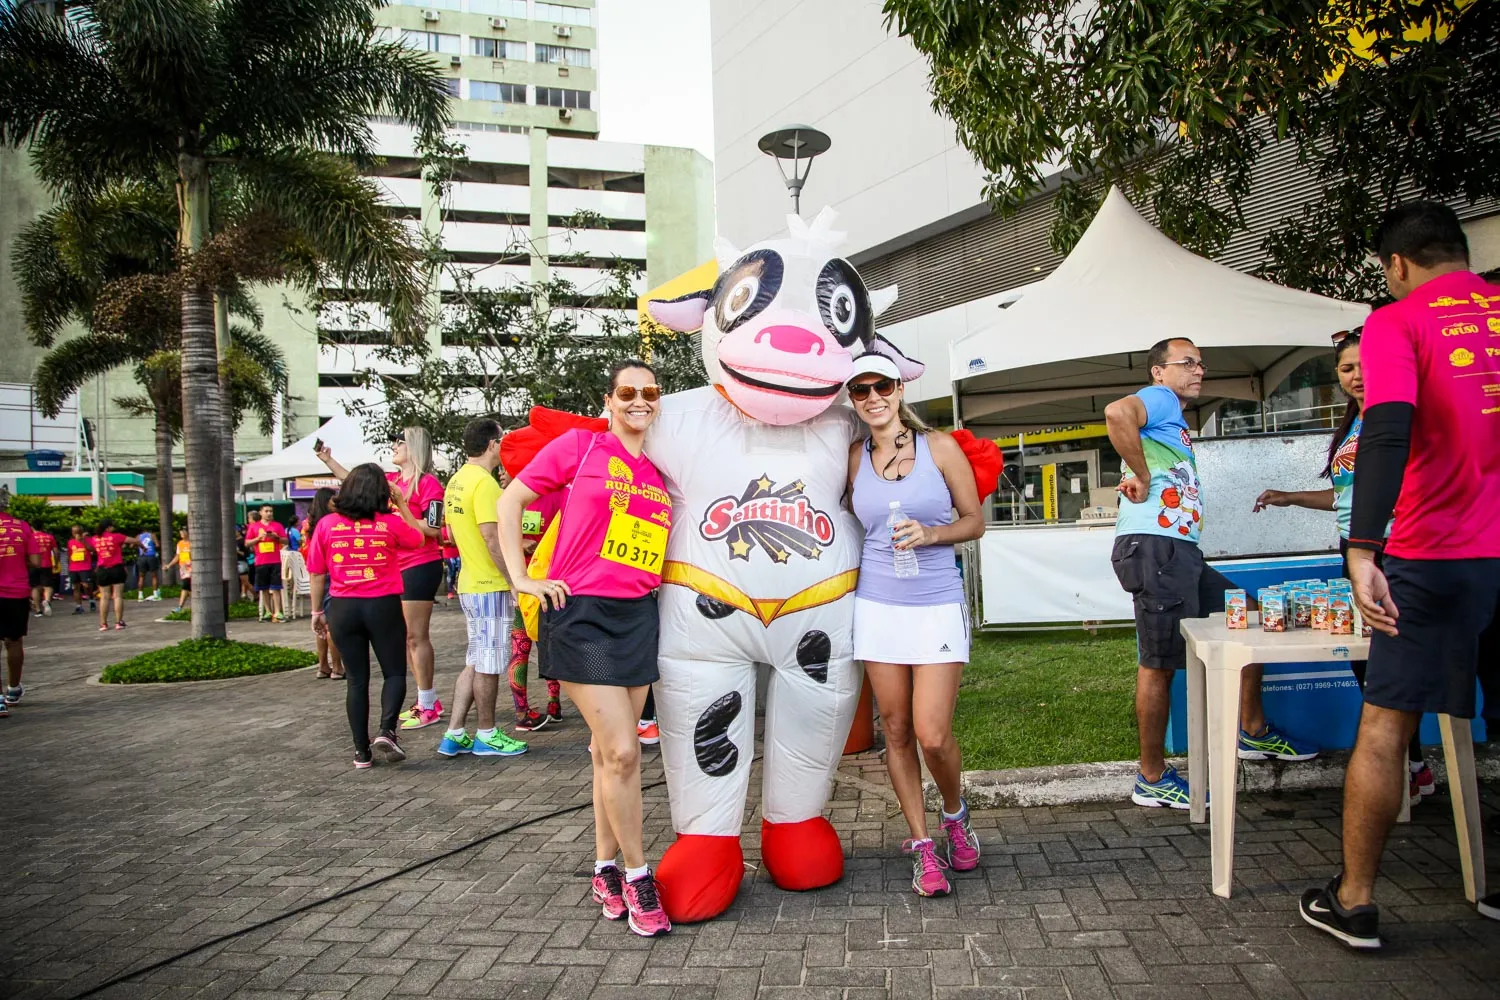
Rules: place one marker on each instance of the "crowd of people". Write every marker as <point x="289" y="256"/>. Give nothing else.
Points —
<point x="555" y="557"/>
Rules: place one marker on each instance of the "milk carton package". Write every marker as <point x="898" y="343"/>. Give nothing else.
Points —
<point x="1236" y="609"/>
<point x="1320" y="610"/>
<point x="1272" y="610"/>
<point x="1299" y="615"/>
<point x="1340" y="614"/>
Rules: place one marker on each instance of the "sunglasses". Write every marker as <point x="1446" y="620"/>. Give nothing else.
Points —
<point x="885" y="387"/>
<point x="626" y="393"/>
<point x="1343" y="335"/>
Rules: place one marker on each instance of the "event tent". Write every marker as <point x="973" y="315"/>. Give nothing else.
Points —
<point x="1077" y="340"/>
<point x="342" y="434"/>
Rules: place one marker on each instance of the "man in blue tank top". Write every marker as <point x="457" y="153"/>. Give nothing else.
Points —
<point x="147" y="564"/>
<point x="1157" y="560"/>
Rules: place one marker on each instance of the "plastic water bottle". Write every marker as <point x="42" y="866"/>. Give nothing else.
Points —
<point x="906" y="559"/>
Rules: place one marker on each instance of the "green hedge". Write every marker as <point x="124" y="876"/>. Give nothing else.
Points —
<point x="238" y="611"/>
<point x="130" y="517"/>
<point x="204" y="660"/>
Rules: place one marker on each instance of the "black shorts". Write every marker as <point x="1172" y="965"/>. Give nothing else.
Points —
<point x="421" y="583"/>
<point x="187" y="583"/>
<point x="15" y="617"/>
<point x="147" y="564"/>
<point x="600" y="640"/>
<point x="1169" y="582"/>
<point x="82" y="582"/>
<point x="1449" y="633"/>
<point x="109" y="576"/>
<point x="40" y="576"/>
<point x="268" y="576"/>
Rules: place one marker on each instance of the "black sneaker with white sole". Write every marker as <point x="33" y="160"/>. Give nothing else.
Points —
<point x="388" y="746"/>
<point x="1358" y="927"/>
<point x="1489" y="906"/>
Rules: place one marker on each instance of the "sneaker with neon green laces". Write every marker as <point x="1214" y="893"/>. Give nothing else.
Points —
<point x="452" y="745"/>
<point x="1170" y="790"/>
<point x="497" y="744"/>
<point x="1273" y="743"/>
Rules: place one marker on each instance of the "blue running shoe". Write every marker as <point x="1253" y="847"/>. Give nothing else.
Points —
<point x="452" y="746"/>
<point x="1171" y="791"/>
<point x="497" y="745"/>
<point x="1273" y="743"/>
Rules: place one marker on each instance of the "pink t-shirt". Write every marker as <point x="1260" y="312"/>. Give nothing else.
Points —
<point x="615" y="517"/>
<point x="266" y="541"/>
<point x="361" y="558"/>
<point x="425" y="492"/>
<point x="46" y="544"/>
<point x="111" y="549"/>
<point x="1439" y="349"/>
<point x="17" y="541"/>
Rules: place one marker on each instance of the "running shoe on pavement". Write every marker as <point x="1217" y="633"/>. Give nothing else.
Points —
<point x="648" y="732"/>
<point x="410" y="713"/>
<point x="47" y="608"/>
<point x="609" y="892"/>
<point x="104" y="628"/>
<point x="554" y="710"/>
<point x="1423" y="782"/>
<point x="363" y="759"/>
<point x="388" y="745"/>
<point x="36" y="614"/>
<point x="927" y="878"/>
<point x="119" y="626"/>
<point x="531" y="722"/>
<point x="643" y="904"/>
<point x="1273" y="743"/>
<point x="421" y="718"/>
<point x="4" y="712"/>
<point x="1358" y="927"/>
<point x="13" y="694"/>
<point x="963" y="845"/>
<point x="78" y="609"/>
<point x="497" y="745"/>
<point x="452" y="746"/>
<point x="1169" y="790"/>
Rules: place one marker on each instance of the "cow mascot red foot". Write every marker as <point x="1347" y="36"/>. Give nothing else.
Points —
<point x="762" y="561"/>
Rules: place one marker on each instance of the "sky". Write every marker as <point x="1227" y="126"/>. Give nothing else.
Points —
<point x="655" y="73"/>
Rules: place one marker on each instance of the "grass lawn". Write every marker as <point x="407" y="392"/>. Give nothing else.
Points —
<point x="206" y="659"/>
<point x="1035" y="698"/>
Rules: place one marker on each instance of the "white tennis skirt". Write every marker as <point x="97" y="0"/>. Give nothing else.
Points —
<point x="893" y="633"/>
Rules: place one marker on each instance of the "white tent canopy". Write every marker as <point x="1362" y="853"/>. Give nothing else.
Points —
<point x="1077" y="340"/>
<point x="341" y="434"/>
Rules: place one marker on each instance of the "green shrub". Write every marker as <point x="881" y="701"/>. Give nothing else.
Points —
<point x="206" y="659"/>
<point x="238" y="611"/>
<point x="130" y="517"/>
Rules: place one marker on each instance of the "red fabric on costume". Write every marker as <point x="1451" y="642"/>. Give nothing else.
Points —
<point x="984" y="456"/>
<point x="699" y="876"/>
<point x="802" y="856"/>
<point x="521" y="445"/>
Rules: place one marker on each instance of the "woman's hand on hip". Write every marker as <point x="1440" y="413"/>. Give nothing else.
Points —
<point x="552" y="593"/>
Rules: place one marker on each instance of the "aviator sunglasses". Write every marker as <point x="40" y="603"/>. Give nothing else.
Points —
<point x="626" y="393"/>
<point x="885" y="387"/>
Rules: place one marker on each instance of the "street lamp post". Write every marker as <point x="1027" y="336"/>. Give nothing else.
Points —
<point x="798" y="144"/>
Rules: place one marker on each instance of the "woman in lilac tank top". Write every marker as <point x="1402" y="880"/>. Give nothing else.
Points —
<point x="912" y="631"/>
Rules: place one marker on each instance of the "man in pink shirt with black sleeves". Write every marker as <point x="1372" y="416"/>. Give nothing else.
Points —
<point x="1430" y="454"/>
<point x="18" y="554"/>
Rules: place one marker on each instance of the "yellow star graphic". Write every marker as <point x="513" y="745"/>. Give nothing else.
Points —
<point x="816" y="551"/>
<point x="781" y="555"/>
<point x="741" y="549"/>
<point x="764" y="483"/>
<point x="799" y="486"/>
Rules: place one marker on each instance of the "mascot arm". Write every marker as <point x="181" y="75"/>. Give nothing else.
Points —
<point x="521" y="445"/>
<point x="984" y="456"/>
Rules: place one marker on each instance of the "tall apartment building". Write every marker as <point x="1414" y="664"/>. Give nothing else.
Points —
<point x="524" y="81"/>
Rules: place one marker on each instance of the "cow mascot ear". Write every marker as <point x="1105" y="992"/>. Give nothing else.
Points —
<point x="683" y="314"/>
<point x="910" y="370"/>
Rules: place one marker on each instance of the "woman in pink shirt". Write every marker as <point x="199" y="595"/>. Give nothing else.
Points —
<point x="356" y="552"/>
<point x="109" y="574"/>
<point x="421" y="567"/>
<point x="599" y="621"/>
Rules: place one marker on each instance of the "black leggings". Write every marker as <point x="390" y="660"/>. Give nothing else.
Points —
<point x="356" y="624"/>
<point x="1414" y="748"/>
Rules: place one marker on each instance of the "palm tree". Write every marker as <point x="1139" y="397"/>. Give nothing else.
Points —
<point x="69" y="264"/>
<point x="262" y="90"/>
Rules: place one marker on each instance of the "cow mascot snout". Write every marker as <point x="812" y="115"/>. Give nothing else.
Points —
<point x="762" y="561"/>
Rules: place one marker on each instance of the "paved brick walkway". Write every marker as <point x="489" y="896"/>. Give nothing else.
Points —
<point x="140" y="822"/>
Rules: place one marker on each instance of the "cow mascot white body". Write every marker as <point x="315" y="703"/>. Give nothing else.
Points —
<point x="762" y="561"/>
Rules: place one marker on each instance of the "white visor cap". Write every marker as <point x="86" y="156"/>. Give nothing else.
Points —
<point x="874" y="364"/>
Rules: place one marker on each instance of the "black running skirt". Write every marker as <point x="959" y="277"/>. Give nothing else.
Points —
<point x="600" y="640"/>
<point x="421" y="582"/>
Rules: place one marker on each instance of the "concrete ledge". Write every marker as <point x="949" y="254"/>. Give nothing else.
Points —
<point x="1110" y="781"/>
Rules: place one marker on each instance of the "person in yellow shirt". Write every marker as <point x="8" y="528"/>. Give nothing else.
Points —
<point x="469" y="510"/>
<point x="183" y="560"/>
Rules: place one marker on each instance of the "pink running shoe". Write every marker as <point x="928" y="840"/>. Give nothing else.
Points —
<point x="963" y="845"/>
<point x="421" y="718"/>
<point x="609" y="892"/>
<point x="927" y="878"/>
<point x="647" y="918"/>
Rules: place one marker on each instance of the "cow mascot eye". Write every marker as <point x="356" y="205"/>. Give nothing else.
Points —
<point x="841" y="310"/>
<point x="741" y="297"/>
<point x="844" y="303"/>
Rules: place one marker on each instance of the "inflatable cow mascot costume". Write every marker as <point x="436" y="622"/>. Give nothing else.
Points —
<point x="762" y="561"/>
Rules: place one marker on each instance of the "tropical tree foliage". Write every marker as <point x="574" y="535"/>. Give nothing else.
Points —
<point x="1176" y="101"/>
<point x="273" y="94"/>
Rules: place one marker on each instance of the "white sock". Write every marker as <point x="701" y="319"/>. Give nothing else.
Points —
<point x="963" y="807"/>
<point x="632" y="874"/>
<point x="1416" y="765"/>
<point x="426" y="700"/>
<point x="456" y="734"/>
<point x="156" y="592"/>
<point x="484" y="734"/>
<point x="600" y="865"/>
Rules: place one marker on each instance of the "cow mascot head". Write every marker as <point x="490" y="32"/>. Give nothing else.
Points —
<point x="784" y="322"/>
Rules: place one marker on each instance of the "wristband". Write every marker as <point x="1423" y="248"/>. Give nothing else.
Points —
<point x="317" y="614"/>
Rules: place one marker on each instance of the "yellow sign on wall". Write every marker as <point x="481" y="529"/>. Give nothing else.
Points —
<point x="1073" y="432"/>
<point x="1049" y="491"/>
